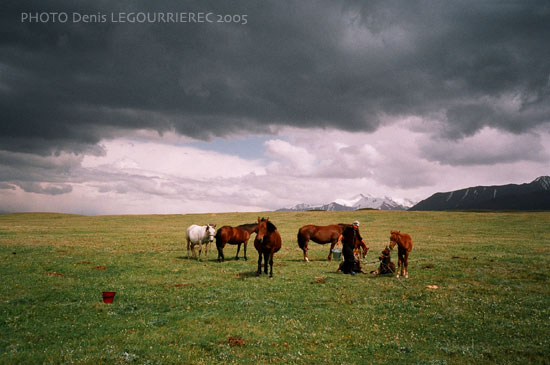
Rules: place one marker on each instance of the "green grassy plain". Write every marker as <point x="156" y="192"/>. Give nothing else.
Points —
<point x="491" y="305"/>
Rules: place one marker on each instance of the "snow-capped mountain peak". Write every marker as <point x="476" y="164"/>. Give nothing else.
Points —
<point x="544" y="182"/>
<point x="376" y="203"/>
<point x="352" y="201"/>
<point x="360" y="201"/>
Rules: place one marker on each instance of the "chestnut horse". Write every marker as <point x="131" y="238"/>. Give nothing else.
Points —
<point x="267" y="242"/>
<point x="404" y="246"/>
<point x="234" y="236"/>
<point x="323" y="235"/>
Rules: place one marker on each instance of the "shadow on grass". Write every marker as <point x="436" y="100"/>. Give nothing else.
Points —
<point x="246" y="274"/>
<point x="235" y="259"/>
<point x="382" y="276"/>
<point x="367" y="274"/>
<point x="191" y="258"/>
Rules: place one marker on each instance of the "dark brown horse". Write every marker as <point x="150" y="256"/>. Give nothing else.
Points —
<point x="404" y="246"/>
<point x="234" y="236"/>
<point x="267" y="242"/>
<point x="323" y="235"/>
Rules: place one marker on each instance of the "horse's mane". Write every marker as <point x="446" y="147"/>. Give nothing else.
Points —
<point x="270" y="226"/>
<point x="247" y="225"/>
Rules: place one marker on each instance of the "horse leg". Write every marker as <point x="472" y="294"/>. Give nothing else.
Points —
<point x="245" y="244"/>
<point x="271" y="265"/>
<point x="305" y="251"/>
<point x="200" y="251"/>
<point x="259" y="272"/>
<point x="188" y="243"/>
<point x="406" y="264"/>
<point x="266" y="259"/>
<point x="302" y="243"/>
<point x="399" y="263"/>
<point x="220" y="253"/>
<point x="332" y="244"/>
<point x="238" y="249"/>
<point x="365" y="249"/>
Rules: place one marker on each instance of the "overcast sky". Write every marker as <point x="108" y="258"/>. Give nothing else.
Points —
<point x="307" y="102"/>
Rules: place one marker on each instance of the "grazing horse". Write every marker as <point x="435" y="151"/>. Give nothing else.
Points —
<point x="234" y="236"/>
<point x="197" y="235"/>
<point x="323" y="235"/>
<point x="404" y="246"/>
<point x="267" y="242"/>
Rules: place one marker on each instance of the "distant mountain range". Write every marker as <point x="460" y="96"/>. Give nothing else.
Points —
<point x="357" y="202"/>
<point x="530" y="196"/>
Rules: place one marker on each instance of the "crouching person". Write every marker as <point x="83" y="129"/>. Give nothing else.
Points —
<point x="386" y="266"/>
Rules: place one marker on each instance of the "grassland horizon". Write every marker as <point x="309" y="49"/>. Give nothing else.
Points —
<point x="477" y="291"/>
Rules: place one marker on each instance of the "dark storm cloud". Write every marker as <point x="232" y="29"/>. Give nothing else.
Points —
<point x="334" y="64"/>
<point x="39" y="174"/>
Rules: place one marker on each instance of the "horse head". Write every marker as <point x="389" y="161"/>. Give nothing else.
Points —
<point x="394" y="239"/>
<point x="262" y="229"/>
<point x="211" y="232"/>
<point x="265" y="227"/>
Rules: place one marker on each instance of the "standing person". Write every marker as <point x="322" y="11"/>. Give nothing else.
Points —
<point x="360" y="243"/>
<point x="351" y="237"/>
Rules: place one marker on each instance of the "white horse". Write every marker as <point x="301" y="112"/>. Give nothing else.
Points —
<point x="199" y="235"/>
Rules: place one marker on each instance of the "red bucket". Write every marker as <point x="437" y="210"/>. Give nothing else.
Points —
<point x="108" y="296"/>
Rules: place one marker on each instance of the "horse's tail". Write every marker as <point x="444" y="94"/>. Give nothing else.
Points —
<point x="301" y="240"/>
<point x="219" y="240"/>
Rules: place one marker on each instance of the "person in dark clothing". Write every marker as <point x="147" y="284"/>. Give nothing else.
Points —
<point x="351" y="237"/>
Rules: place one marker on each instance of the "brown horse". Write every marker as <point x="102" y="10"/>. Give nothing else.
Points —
<point x="323" y="235"/>
<point x="404" y="246"/>
<point x="234" y="236"/>
<point x="267" y="242"/>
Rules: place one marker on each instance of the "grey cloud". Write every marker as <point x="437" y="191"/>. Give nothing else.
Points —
<point x="40" y="174"/>
<point x="306" y="64"/>
<point x="465" y="120"/>
<point x="49" y="189"/>
<point x="7" y="186"/>
<point x="485" y="150"/>
<point x="59" y="164"/>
